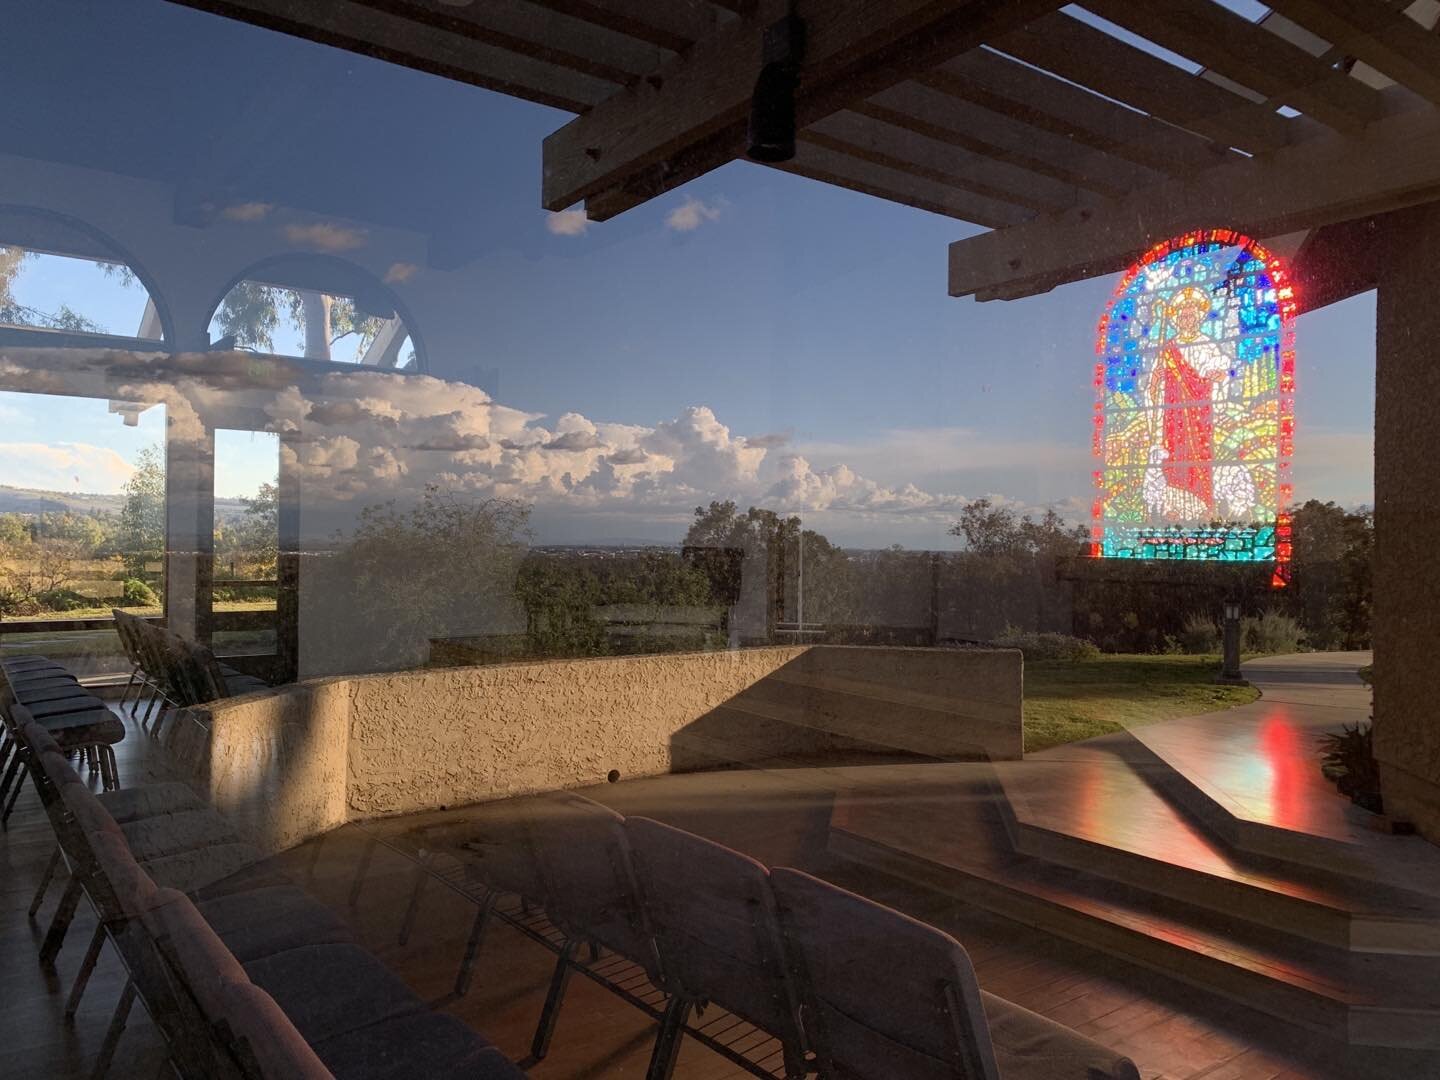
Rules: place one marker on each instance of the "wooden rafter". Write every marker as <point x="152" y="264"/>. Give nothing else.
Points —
<point x="1064" y="45"/>
<point x="1386" y="39"/>
<point x="689" y="116"/>
<point x="1252" y="56"/>
<point x="1044" y="102"/>
<point x="1393" y="163"/>
<point x="386" y="36"/>
<point x="942" y="162"/>
<point x="674" y="25"/>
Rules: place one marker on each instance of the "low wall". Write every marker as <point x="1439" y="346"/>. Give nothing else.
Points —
<point x="295" y="762"/>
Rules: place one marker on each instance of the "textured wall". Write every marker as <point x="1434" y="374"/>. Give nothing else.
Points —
<point x="299" y="761"/>
<point x="273" y="763"/>
<point x="1406" y="619"/>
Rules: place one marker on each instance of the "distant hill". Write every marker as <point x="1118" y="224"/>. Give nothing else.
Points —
<point x="18" y="500"/>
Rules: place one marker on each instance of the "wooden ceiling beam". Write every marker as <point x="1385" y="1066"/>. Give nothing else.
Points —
<point x="942" y="162"/>
<point x="537" y="32"/>
<point x="366" y="30"/>
<point x="673" y="25"/>
<point x="1388" y="40"/>
<point x="1067" y="47"/>
<point x="1392" y="164"/>
<point x="829" y="166"/>
<point x="1250" y="55"/>
<point x="689" y="116"/>
<point x="1041" y="101"/>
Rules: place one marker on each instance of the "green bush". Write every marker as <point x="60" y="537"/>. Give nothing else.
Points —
<point x="1199" y="635"/>
<point x="1270" y="632"/>
<point x="138" y="594"/>
<point x="63" y="600"/>
<point x="1045" y="646"/>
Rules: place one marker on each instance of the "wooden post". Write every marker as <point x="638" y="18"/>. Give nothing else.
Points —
<point x="1406" y="620"/>
<point x="287" y="570"/>
<point x="189" y="528"/>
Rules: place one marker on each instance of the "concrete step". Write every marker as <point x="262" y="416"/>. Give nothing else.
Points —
<point x="1367" y="999"/>
<point x="1101" y="815"/>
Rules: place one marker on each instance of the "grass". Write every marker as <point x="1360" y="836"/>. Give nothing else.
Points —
<point x="1070" y="700"/>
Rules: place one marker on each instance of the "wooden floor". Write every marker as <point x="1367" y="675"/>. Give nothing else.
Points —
<point x="781" y="816"/>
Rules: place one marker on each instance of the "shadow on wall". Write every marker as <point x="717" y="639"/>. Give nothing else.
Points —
<point x="834" y="705"/>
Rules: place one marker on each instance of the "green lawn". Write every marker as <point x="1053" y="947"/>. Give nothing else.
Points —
<point x="1070" y="700"/>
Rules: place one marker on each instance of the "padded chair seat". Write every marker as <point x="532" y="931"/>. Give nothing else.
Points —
<point x="272" y="919"/>
<point x="48" y="690"/>
<point x="75" y="703"/>
<point x="72" y="730"/>
<point x="21" y="687"/>
<point x="170" y="834"/>
<point x="149" y="800"/>
<point x="1029" y="1046"/>
<point x="192" y="871"/>
<point x="329" y="991"/>
<point x="427" y="1045"/>
<point x="27" y="663"/>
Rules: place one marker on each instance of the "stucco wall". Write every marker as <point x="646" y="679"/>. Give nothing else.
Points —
<point x="1406" y="620"/>
<point x="293" y="763"/>
<point x="274" y="763"/>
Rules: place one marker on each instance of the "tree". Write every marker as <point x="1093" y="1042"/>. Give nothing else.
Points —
<point x="14" y="313"/>
<point x="251" y="312"/>
<point x="142" y="515"/>
<point x="1330" y="589"/>
<point x="253" y="538"/>
<point x="995" y="530"/>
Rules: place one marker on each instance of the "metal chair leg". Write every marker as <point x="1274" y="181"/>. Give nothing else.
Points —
<point x="14" y="794"/>
<point x="363" y="868"/>
<point x="45" y="880"/>
<point x="60" y="922"/>
<point x="472" y="945"/>
<point x="87" y="967"/>
<point x="422" y="874"/>
<point x="667" y="1043"/>
<point x="559" y="980"/>
<point x="113" y="1033"/>
<point x="109" y="769"/>
<point x="15" y="763"/>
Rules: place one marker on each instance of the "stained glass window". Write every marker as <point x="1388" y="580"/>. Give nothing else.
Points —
<point x="1194" y="408"/>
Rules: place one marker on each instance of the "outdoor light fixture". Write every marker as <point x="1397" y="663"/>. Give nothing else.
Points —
<point x="1230" y="644"/>
<point x="772" y="105"/>
<point x="1232" y="611"/>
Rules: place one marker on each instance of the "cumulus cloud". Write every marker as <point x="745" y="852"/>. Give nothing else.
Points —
<point x="325" y="236"/>
<point x="630" y="456"/>
<point x="247" y="211"/>
<point x="574" y="441"/>
<point x="772" y="441"/>
<point x="400" y="272"/>
<point x="64" y="467"/>
<point x="691" y="214"/>
<point x="567" y="223"/>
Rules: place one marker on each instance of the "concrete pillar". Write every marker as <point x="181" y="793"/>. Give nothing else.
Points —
<point x="1406" y="619"/>
<point x="189" y="529"/>
<point x="287" y="569"/>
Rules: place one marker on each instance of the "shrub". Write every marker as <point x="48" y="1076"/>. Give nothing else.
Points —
<point x="1199" y="634"/>
<point x="62" y="600"/>
<point x="1044" y="646"/>
<point x="1348" y="758"/>
<point x="138" y="594"/>
<point x="1271" y="632"/>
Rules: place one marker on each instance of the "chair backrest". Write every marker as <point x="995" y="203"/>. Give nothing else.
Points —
<point x="714" y="920"/>
<point x="883" y="994"/>
<point x="263" y="1038"/>
<point x="590" y="885"/>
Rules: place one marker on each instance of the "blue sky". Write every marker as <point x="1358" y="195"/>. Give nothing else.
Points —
<point x="812" y="319"/>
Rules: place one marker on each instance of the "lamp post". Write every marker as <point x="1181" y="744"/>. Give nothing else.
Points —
<point x="1230" y="661"/>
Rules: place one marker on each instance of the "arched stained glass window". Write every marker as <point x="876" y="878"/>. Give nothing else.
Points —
<point x="1194" y="411"/>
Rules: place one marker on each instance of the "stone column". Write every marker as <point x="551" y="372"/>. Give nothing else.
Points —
<point x="1406" y="619"/>
<point x="189" y="528"/>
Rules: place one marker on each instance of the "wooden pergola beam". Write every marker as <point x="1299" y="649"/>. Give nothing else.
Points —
<point x="1250" y="55"/>
<point x="1042" y="101"/>
<point x="689" y="116"/>
<point x="674" y="25"/>
<point x="366" y="30"/>
<point x="1064" y="45"/>
<point x="1388" y="40"/>
<point x="1393" y="163"/>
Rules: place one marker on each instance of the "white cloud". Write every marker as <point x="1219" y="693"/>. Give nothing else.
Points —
<point x="399" y="272"/>
<point x="691" y="214"/>
<point x="247" y="211"/>
<point x="568" y="223"/>
<point x="325" y="236"/>
<point x="79" y="467"/>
